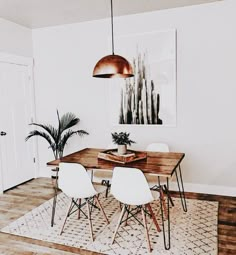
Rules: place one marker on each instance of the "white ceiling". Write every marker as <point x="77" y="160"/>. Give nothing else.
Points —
<point x="42" y="13"/>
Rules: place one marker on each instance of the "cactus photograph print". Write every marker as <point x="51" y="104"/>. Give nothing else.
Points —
<point x="148" y="98"/>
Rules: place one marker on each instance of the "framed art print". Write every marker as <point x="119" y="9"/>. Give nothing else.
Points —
<point x="148" y="98"/>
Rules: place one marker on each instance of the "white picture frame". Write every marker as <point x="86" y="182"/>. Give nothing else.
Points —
<point x="150" y="97"/>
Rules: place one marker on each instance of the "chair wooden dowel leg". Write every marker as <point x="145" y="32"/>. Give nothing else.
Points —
<point x="118" y="224"/>
<point x="146" y="230"/>
<point x="79" y="208"/>
<point x="163" y="202"/>
<point x="66" y="216"/>
<point x="101" y="208"/>
<point x="89" y="220"/>
<point x="153" y="217"/>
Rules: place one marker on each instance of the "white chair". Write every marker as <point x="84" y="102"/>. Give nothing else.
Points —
<point x="152" y="179"/>
<point x="130" y="187"/>
<point x="75" y="183"/>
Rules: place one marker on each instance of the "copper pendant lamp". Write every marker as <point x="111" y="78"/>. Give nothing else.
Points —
<point x="113" y="66"/>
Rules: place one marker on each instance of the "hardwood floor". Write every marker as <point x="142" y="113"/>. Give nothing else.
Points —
<point x="16" y="202"/>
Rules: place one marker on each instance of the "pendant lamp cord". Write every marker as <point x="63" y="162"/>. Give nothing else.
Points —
<point x="112" y="33"/>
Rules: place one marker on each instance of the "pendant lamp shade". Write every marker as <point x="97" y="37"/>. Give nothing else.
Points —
<point x="113" y="66"/>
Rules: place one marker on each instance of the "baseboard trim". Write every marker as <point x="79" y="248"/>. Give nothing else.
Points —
<point x="206" y="189"/>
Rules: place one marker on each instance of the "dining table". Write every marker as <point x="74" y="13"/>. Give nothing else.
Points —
<point x="164" y="165"/>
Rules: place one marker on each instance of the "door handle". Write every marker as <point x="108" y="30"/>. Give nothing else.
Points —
<point x="2" y="133"/>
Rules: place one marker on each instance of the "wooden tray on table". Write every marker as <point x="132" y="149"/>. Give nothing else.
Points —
<point x="130" y="156"/>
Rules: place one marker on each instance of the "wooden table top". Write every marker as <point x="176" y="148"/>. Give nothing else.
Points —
<point x="160" y="163"/>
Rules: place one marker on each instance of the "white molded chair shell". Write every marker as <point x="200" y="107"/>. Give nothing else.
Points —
<point x="129" y="186"/>
<point x="74" y="181"/>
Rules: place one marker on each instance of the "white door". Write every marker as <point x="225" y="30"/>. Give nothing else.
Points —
<point x="16" y="155"/>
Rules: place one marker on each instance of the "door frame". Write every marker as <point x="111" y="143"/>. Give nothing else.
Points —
<point x="29" y="63"/>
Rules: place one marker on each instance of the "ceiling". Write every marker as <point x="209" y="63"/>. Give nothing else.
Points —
<point x="42" y="13"/>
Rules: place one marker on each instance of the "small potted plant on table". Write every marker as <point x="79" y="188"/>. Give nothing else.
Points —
<point x="122" y="140"/>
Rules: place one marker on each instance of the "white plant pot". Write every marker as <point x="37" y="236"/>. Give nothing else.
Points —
<point x="122" y="149"/>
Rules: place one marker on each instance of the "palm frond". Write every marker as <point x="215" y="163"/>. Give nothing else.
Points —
<point x="54" y="136"/>
<point x="49" y="128"/>
<point x="59" y="128"/>
<point x="68" y="120"/>
<point x="81" y="132"/>
<point x="66" y="136"/>
<point x="39" y="133"/>
<point x="58" y="116"/>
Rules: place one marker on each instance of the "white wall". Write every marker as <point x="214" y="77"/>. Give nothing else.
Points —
<point x="206" y="86"/>
<point x="15" y="39"/>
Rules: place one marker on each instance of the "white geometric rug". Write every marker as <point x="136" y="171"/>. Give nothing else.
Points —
<point x="192" y="233"/>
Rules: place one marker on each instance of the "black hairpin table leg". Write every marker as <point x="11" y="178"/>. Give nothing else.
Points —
<point x="181" y="188"/>
<point x="168" y="194"/>
<point x="55" y="198"/>
<point x="166" y="238"/>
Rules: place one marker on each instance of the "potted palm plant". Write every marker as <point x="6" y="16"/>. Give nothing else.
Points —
<point x="122" y="140"/>
<point x="57" y="137"/>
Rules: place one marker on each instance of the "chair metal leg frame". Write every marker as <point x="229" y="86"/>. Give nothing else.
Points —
<point x="136" y="210"/>
<point x="122" y="214"/>
<point x="79" y="206"/>
<point x="126" y="221"/>
<point x="79" y="210"/>
<point x="166" y="242"/>
<point x="164" y="188"/>
<point x="126" y="208"/>
<point x="107" y="184"/>
<point x="99" y="207"/>
<point x="55" y="198"/>
<point x="181" y="189"/>
<point x="93" y="205"/>
<point x="146" y="212"/>
<point x="70" y="211"/>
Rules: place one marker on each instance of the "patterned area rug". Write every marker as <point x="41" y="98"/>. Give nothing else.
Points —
<point x="192" y="233"/>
